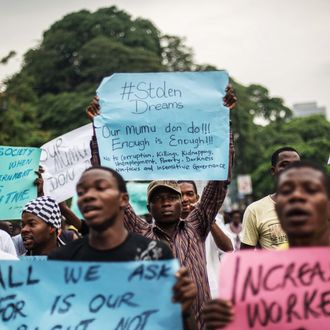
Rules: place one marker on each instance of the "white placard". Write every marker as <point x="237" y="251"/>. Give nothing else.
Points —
<point x="64" y="159"/>
<point x="244" y="184"/>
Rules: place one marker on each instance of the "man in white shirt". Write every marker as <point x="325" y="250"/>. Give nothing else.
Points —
<point x="6" y="243"/>
<point x="7" y="256"/>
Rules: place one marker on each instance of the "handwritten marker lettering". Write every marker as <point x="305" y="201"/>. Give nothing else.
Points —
<point x="155" y="113"/>
<point x="88" y="296"/>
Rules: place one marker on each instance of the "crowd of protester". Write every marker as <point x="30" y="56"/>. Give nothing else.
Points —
<point x="183" y="225"/>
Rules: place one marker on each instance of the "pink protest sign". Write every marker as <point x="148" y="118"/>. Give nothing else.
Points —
<point x="278" y="290"/>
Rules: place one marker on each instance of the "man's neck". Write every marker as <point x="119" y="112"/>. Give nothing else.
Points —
<point x="108" y="238"/>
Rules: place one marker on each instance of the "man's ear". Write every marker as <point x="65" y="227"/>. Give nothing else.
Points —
<point x="124" y="200"/>
<point x="272" y="171"/>
<point x="51" y="230"/>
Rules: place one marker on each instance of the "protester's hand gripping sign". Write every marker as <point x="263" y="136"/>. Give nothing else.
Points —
<point x="55" y="295"/>
<point x="64" y="159"/>
<point x="164" y="125"/>
<point x="278" y="290"/>
<point x="17" y="175"/>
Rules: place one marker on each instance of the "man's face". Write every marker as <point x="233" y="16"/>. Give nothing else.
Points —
<point x="35" y="232"/>
<point x="189" y="198"/>
<point x="99" y="198"/>
<point x="285" y="158"/>
<point x="302" y="204"/>
<point x="165" y="205"/>
<point x="236" y="218"/>
<point x="8" y="227"/>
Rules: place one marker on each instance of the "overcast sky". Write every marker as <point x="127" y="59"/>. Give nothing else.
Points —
<point x="281" y="44"/>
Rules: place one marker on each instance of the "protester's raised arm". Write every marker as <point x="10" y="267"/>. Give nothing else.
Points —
<point x="70" y="217"/>
<point x="93" y="109"/>
<point x="39" y="181"/>
<point x="222" y="241"/>
<point x="134" y="223"/>
<point x="215" y="191"/>
<point x="230" y="99"/>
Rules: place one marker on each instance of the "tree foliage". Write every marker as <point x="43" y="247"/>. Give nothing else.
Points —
<point x="48" y="96"/>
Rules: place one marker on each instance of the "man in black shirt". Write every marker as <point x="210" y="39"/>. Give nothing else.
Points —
<point x="102" y="199"/>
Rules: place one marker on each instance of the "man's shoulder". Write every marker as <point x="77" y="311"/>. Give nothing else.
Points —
<point x="260" y="203"/>
<point x="4" y="235"/>
<point x="68" y="250"/>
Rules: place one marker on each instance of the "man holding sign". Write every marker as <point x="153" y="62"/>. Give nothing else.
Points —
<point x="102" y="199"/>
<point x="303" y="208"/>
<point x="186" y="237"/>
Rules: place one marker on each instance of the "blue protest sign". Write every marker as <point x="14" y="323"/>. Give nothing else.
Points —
<point x="164" y="125"/>
<point x="88" y="296"/>
<point x="17" y="167"/>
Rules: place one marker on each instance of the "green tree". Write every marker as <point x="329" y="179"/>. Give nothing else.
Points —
<point x="48" y="96"/>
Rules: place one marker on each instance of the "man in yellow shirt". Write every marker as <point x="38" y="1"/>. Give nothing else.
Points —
<point x="261" y="227"/>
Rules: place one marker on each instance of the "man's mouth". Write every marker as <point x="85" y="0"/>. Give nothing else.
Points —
<point x="167" y="212"/>
<point x="27" y="240"/>
<point x="90" y="211"/>
<point x="297" y="215"/>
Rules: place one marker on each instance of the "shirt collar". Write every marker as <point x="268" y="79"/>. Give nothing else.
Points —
<point x="181" y="225"/>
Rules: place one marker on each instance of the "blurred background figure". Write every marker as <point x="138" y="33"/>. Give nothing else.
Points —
<point x="234" y="228"/>
<point x="7" y="226"/>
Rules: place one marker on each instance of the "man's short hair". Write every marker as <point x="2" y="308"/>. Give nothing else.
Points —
<point x="276" y="153"/>
<point x="307" y="164"/>
<point x="120" y="180"/>
<point x="190" y="182"/>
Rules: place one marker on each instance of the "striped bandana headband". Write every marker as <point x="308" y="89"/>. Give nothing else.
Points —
<point x="46" y="209"/>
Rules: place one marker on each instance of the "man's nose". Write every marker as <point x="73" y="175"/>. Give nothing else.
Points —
<point x="298" y="194"/>
<point x="88" y="195"/>
<point x="25" y="229"/>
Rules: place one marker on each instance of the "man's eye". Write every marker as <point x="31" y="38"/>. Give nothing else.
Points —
<point x="80" y="192"/>
<point x="285" y="190"/>
<point x="102" y="187"/>
<point x="312" y="189"/>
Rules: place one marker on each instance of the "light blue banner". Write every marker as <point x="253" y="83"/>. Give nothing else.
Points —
<point x="88" y="296"/>
<point x="164" y="125"/>
<point x="137" y="192"/>
<point x="17" y="167"/>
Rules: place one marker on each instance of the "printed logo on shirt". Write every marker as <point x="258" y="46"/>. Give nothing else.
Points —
<point x="277" y="235"/>
<point x="152" y="252"/>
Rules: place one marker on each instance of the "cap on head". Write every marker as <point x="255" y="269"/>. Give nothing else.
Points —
<point x="46" y="209"/>
<point x="173" y="185"/>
